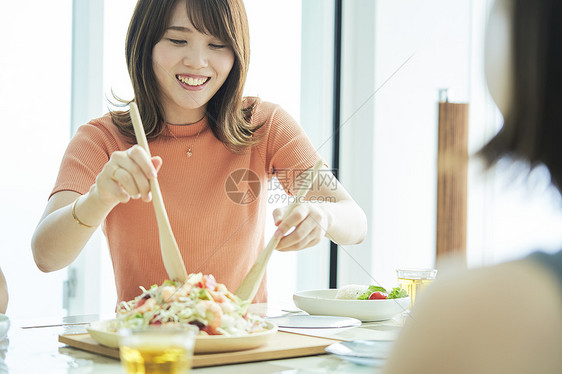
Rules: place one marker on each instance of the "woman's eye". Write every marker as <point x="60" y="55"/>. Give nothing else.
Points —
<point x="177" y="41"/>
<point x="217" y="46"/>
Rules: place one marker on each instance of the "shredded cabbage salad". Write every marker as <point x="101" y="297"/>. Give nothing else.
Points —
<point x="200" y="301"/>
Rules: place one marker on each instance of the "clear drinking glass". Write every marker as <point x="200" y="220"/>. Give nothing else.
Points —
<point x="415" y="280"/>
<point x="157" y="349"/>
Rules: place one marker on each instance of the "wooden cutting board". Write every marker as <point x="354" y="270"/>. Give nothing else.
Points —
<point x="282" y="345"/>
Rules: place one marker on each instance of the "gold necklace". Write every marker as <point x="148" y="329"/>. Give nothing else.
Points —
<point x="189" y="152"/>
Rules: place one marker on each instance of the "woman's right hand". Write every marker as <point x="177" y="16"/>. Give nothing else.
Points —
<point x="69" y="220"/>
<point x="126" y="176"/>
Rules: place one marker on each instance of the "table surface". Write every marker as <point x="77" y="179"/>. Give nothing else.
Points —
<point x="33" y="347"/>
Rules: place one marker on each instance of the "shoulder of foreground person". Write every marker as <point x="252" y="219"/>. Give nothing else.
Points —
<point x="500" y="319"/>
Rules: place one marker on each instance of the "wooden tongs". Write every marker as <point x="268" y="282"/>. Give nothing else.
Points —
<point x="169" y="247"/>
<point x="249" y="286"/>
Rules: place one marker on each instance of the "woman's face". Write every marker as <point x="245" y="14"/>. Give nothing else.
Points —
<point x="499" y="55"/>
<point x="190" y="67"/>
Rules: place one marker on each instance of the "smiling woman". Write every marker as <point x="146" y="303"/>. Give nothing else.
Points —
<point x="103" y="180"/>
<point x="181" y="49"/>
<point x="263" y="80"/>
<point x="176" y="40"/>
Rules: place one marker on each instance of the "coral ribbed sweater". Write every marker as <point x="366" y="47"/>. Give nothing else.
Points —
<point x="216" y="234"/>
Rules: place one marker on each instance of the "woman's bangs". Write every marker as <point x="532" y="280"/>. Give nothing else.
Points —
<point x="210" y="17"/>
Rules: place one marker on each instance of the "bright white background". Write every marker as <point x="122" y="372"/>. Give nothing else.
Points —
<point x="35" y="112"/>
<point x="388" y="140"/>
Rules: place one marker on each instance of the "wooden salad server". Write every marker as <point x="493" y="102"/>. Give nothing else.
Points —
<point x="170" y="251"/>
<point x="250" y="284"/>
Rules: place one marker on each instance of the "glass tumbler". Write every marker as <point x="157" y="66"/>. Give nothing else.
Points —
<point x="415" y="280"/>
<point x="157" y="349"/>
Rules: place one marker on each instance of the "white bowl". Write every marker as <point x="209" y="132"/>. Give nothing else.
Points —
<point x="4" y="325"/>
<point x="324" y="302"/>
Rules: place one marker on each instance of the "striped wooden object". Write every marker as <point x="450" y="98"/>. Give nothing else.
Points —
<point x="452" y="170"/>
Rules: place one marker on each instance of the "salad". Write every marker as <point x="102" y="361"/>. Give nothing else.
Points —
<point x="378" y="292"/>
<point x="355" y="292"/>
<point x="200" y="301"/>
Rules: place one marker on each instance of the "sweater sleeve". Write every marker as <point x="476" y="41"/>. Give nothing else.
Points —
<point x="289" y="150"/>
<point x="87" y="153"/>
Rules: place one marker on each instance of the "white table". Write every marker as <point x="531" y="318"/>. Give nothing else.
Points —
<point x="33" y="347"/>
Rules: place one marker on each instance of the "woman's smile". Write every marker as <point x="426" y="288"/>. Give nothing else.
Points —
<point x="190" y="67"/>
<point x="192" y="82"/>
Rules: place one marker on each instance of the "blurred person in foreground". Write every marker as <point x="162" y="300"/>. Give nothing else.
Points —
<point x="505" y="318"/>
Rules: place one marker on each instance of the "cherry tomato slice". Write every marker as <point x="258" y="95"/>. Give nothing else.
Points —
<point x="377" y="295"/>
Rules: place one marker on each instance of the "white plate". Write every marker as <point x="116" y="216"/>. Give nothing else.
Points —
<point x="314" y="322"/>
<point x="324" y="302"/>
<point x="362" y="352"/>
<point x="203" y="343"/>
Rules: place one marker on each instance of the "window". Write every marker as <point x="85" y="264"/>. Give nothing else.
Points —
<point x="35" y="107"/>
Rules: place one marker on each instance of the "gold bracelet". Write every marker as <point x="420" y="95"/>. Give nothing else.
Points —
<point x="74" y="214"/>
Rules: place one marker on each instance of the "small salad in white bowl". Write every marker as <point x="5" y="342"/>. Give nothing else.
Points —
<point x="356" y="292"/>
<point x="366" y="303"/>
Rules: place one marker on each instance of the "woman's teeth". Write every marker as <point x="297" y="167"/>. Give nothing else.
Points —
<point x="192" y="81"/>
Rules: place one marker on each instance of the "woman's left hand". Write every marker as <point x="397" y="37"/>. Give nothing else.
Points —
<point x="310" y="222"/>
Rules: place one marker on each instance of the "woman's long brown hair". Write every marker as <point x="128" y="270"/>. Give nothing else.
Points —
<point x="225" y="20"/>
<point x="532" y="129"/>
